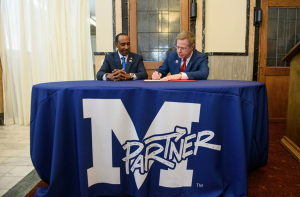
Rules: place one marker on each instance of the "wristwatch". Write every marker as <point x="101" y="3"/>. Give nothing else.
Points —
<point x="131" y="75"/>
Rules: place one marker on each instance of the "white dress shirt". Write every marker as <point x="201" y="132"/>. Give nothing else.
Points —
<point x="126" y="58"/>
<point x="184" y="75"/>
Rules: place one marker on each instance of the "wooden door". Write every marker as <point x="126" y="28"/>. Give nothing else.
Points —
<point x="133" y="29"/>
<point x="279" y="27"/>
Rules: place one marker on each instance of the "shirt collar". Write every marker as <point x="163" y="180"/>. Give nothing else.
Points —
<point x="188" y="59"/>
<point x="122" y="56"/>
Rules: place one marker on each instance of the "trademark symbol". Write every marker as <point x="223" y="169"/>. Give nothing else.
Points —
<point x="199" y="185"/>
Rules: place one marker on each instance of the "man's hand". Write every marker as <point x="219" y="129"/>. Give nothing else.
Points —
<point x="170" y="77"/>
<point x="109" y="76"/>
<point x="156" y="75"/>
<point x="118" y="75"/>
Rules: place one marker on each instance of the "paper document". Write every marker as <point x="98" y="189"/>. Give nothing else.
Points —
<point x="150" y="80"/>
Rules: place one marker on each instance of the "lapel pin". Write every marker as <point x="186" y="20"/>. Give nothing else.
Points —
<point x="176" y="61"/>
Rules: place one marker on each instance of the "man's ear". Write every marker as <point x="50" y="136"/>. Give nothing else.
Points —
<point x="116" y="44"/>
<point x="193" y="45"/>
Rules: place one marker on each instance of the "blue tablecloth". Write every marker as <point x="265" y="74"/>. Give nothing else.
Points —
<point x="94" y="138"/>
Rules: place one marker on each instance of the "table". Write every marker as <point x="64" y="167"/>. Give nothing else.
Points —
<point x="94" y="138"/>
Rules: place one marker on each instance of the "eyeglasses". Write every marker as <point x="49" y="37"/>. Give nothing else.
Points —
<point x="181" y="48"/>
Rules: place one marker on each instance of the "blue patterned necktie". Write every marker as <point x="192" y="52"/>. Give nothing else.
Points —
<point x="123" y="63"/>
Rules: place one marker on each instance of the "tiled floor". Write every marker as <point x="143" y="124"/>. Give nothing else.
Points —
<point x="15" y="162"/>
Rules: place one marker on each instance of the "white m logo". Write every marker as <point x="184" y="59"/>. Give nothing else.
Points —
<point x="110" y="115"/>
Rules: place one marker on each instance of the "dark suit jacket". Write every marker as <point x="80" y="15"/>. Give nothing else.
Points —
<point x="134" y="65"/>
<point x="197" y="67"/>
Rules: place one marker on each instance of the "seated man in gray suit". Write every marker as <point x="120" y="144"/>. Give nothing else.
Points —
<point x="122" y="65"/>
<point x="186" y="63"/>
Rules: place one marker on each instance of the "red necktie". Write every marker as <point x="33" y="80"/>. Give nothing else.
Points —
<point x="183" y="66"/>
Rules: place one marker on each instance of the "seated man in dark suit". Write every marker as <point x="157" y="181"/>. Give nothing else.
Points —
<point x="122" y="65"/>
<point x="186" y="63"/>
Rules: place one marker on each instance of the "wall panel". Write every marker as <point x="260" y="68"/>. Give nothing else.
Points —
<point x="104" y="28"/>
<point x="277" y="88"/>
<point x="225" y="26"/>
<point x="229" y="67"/>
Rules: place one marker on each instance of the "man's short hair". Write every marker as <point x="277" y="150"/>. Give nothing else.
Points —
<point x="117" y="37"/>
<point x="186" y="35"/>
